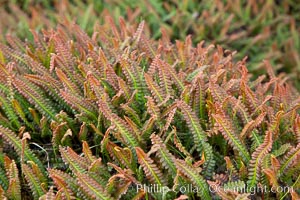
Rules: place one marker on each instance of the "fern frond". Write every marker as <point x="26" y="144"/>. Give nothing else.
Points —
<point x="152" y="108"/>
<point x="120" y="186"/>
<point x="292" y="156"/>
<point x="148" y="127"/>
<point x="126" y="174"/>
<point x="193" y="123"/>
<point x="99" y="172"/>
<point x="198" y="86"/>
<point x="274" y="124"/>
<point x="164" y="76"/>
<point x="226" y="127"/>
<point x="49" y="195"/>
<point x="71" y="158"/>
<point x="33" y="182"/>
<point x="134" y="117"/>
<point x="297" y="128"/>
<point x="153" y="174"/>
<point x="148" y="46"/>
<point x="109" y="146"/>
<point x="98" y="90"/>
<point x="13" y="55"/>
<point x="199" y="136"/>
<point x="124" y="88"/>
<point x="16" y="143"/>
<point x="230" y="167"/>
<point x="135" y="76"/>
<point x="19" y="110"/>
<point x="194" y="177"/>
<point x="271" y="176"/>
<point x="137" y="35"/>
<point x="252" y="125"/>
<point x="179" y="145"/>
<point x="87" y="152"/>
<point x="113" y="26"/>
<point x="248" y="96"/>
<point x="257" y="158"/>
<point x="14" y="188"/>
<point x="217" y="92"/>
<point x="120" y="124"/>
<point x="170" y="113"/>
<point x="175" y="76"/>
<point x="64" y="183"/>
<point x="124" y="156"/>
<point x="35" y="97"/>
<point x="241" y="109"/>
<point x="68" y="84"/>
<point x="2" y="194"/>
<point x="38" y="174"/>
<point x="15" y="42"/>
<point x="51" y="85"/>
<point x="4" y="180"/>
<point x="155" y="89"/>
<point x="282" y="150"/>
<point x="93" y="189"/>
<point x="112" y="78"/>
<point x="9" y="111"/>
<point x="80" y="104"/>
<point x="63" y="51"/>
<point x="165" y="157"/>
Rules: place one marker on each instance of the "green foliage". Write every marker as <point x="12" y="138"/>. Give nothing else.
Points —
<point x="258" y="29"/>
<point x="116" y="111"/>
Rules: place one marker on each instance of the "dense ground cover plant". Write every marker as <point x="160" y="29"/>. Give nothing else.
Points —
<point x="97" y="117"/>
<point x="259" y="29"/>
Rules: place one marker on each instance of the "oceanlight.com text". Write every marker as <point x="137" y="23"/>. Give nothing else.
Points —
<point x="189" y="188"/>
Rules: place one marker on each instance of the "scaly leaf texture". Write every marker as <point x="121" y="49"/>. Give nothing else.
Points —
<point x="9" y="112"/>
<point x="68" y="84"/>
<point x="33" y="182"/>
<point x="120" y="124"/>
<point x="164" y="77"/>
<point x="225" y="125"/>
<point x="76" y="163"/>
<point x="35" y="97"/>
<point x="198" y="86"/>
<point x="297" y="128"/>
<point x="292" y="156"/>
<point x="14" y="189"/>
<point x="66" y="184"/>
<point x="200" y="138"/>
<point x="257" y="158"/>
<point x="156" y="91"/>
<point x="87" y="152"/>
<point x="165" y="157"/>
<point x="16" y="143"/>
<point x="4" y="180"/>
<point x="49" y="195"/>
<point x="80" y="104"/>
<point x="134" y="75"/>
<point x="91" y="187"/>
<point x="194" y="177"/>
<point x="152" y="172"/>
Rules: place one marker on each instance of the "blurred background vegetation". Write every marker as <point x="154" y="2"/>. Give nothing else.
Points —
<point x="258" y="29"/>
